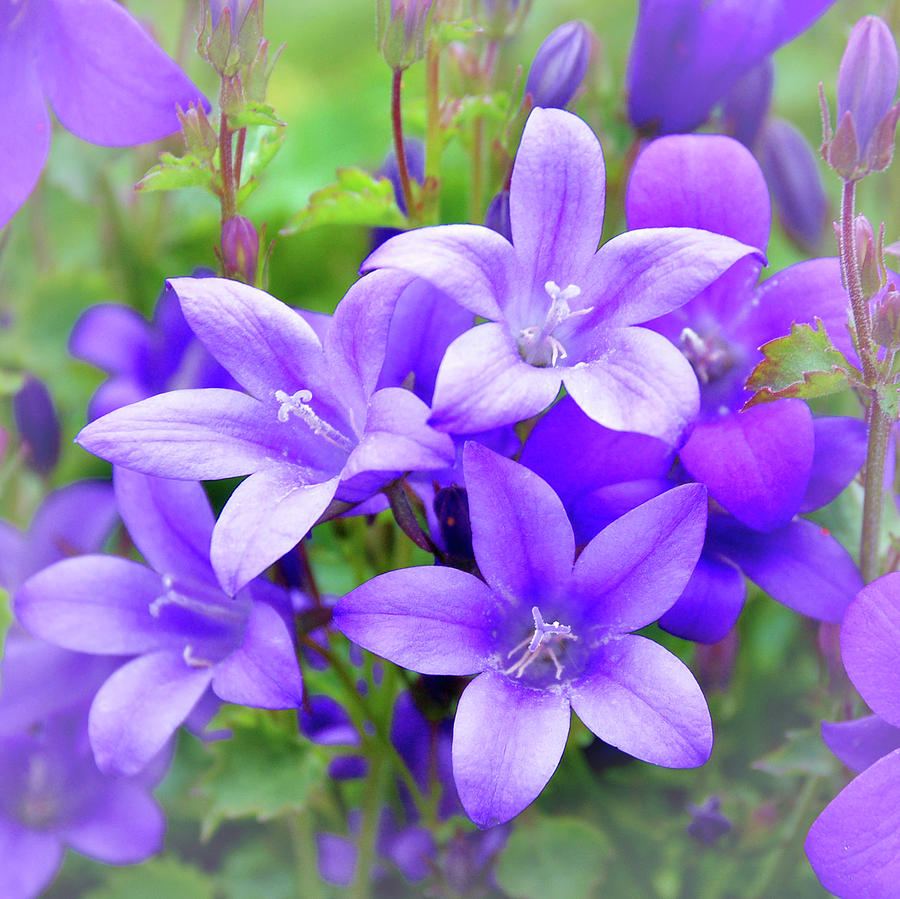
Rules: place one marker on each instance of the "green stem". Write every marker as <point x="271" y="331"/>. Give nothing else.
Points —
<point x="399" y="147"/>
<point x="228" y="200"/>
<point x="859" y="305"/>
<point x="372" y="802"/>
<point x="304" y="843"/>
<point x="873" y="501"/>
<point x="433" y="136"/>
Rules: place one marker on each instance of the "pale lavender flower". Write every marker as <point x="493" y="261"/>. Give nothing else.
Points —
<point x="105" y="78"/>
<point x="561" y="312"/>
<point x="544" y="635"/>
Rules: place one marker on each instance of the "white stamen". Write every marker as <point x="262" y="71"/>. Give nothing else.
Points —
<point x="298" y="403"/>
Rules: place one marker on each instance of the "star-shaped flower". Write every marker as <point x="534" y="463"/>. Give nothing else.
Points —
<point x="545" y="635"/>
<point x="561" y="312"/>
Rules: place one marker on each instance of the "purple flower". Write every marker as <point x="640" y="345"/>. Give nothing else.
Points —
<point x="545" y="636"/>
<point x="559" y="65"/>
<point x="143" y="359"/>
<point x="51" y="793"/>
<point x="106" y="80"/>
<point x="313" y="427"/>
<point x="187" y="635"/>
<point x="687" y="54"/>
<point x="562" y="312"/>
<point x="37" y="424"/>
<point x="854" y="845"/>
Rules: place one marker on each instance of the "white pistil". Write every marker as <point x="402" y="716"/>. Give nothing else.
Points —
<point x="195" y="661"/>
<point x="536" y="340"/>
<point x="298" y="404"/>
<point x="546" y="636"/>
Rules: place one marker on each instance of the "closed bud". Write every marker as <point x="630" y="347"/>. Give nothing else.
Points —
<point x="560" y="65"/>
<point x="200" y="138"/>
<point x="236" y="12"/>
<point x="37" y="425"/>
<point x="501" y="18"/>
<point x="886" y="319"/>
<point x="866" y="115"/>
<point x="870" y="255"/>
<point x="240" y="249"/>
<point x="401" y="30"/>
<point x="497" y="216"/>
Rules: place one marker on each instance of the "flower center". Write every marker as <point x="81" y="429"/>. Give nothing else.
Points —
<point x="543" y="643"/>
<point x="537" y="344"/>
<point x="298" y="404"/>
<point x="709" y="356"/>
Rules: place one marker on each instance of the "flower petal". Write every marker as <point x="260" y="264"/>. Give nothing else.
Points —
<point x="854" y="845"/>
<point x="840" y="451"/>
<point x="262" y="672"/>
<point x="507" y="741"/>
<point x="29" y="859"/>
<point x="870" y="645"/>
<point x="710" y="604"/>
<point x="112" y="337"/>
<point x="140" y="707"/>
<point x="556" y="198"/>
<point x="756" y="463"/>
<point x="640" y="698"/>
<point x="483" y="383"/>
<point x="268" y="514"/>
<point x="431" y="620"/>
<point x="95" y="604"/>
<point x="473" y="265"/>
<point x="636" y="380"/>
<point x="170" y="522"/>
<point x="191" y="434"/>
<point x="636" y="568"/>
<point x="860" y="743"/>
<point x="107" y="80"/>
<point x="521" y="535"/>
<point x="801" y="566"/>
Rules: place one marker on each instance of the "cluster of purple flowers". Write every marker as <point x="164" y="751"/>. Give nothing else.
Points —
<point x="570" y="420"/>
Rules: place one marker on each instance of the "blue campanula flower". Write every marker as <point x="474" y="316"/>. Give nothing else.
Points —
<point x="107" y="82"/>
<point x="186" y="635"/>
<point x="544" y="635"/>
<point x="560" y="311"/>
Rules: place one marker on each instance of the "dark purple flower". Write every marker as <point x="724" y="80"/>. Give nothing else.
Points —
<point x="854" y="845"/>
<point x="708" y="824"/>
<point x="559" y="66"/>
<point x="187" y="635"/>
<point x="312" y="426"/>
<point x="562" y="312"/>
<point x="51" y="793"/>
<point x="545" y="637"/>
<point x="324" y="721"/>
<point x="687" y="54"/>
<point x="106" y="80"/>
<point x="37" y="424"/>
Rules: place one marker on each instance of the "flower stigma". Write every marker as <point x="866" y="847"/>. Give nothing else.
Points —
<point x="537" y="344"/>
<point x="298" y="403"/>
<point x="547" y="637"/>
<point x="709" y="357"/>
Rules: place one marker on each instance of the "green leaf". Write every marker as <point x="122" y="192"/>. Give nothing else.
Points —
<point x="449" y="32"/>
<point x="803" y="364"/>
<point x="357" y="198"/>
<point x="888" y="399"/>
<point x="256" y="157"/>
<point x="174" y="172"/>
<point x="253" y="114"/>
<point x="494" y="107"/>
<point x="802" y="753"/>
<point x="263" y="771"/>
<point x="158" y="877"/>
<point x="560" y="857"/>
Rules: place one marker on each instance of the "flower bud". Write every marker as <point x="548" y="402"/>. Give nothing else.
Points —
<point x="240" y="249"/>
<point x="501" y="18"/>
<point x="38" y="425"/>
<point x="200" y="138"/>
<point x="866" y="114"/>
<point x="747" y="103"/>
<point x="708" y="824"/>
<point x="401" y="29"/>
<point x="789" y="165"/>
<point x="497" y="216"/>
<point x="886" y="319"/>
<point x="870" y="256"/>
<point x="560" y="65"/>
<point x="235" y="10"/>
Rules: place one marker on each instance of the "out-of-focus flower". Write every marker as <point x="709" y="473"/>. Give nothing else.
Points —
<point x="401" y="28"/>
<point x="105" y="78"/>
<point x="687" y="54"/>
<point x="746" y="105"/>
<point x="708" y="824"/>
<point x="560" y="65"/>
<point x="545" y="637"/>
<point x="37" y="424"/>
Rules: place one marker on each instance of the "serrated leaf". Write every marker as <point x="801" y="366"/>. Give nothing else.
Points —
<point x="174" y="172"/>
<point x="155" y="878"/>
<point x="357" y="198"/>
<point x="803" y="364"/>
<point x="262" y="772"/>
<point x="888" y="400"/>
<point x="253" y="114"/>
<point x="560" y="857"/>
<point x="803" y="752"/>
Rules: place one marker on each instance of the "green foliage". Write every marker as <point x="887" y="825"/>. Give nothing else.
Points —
<point x="357" y="198"/>
<point x="803" y="752"/>
<point x="174" y="172"/>
<point x="263" y="771"/>
<point x="803" y="364"/>
<point x="158" y="877"/>
<point x="888" y="399"/>
<point x="560" y="857"/>
<point x="253" y="114"/>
